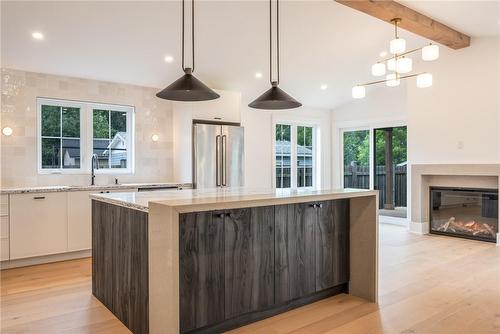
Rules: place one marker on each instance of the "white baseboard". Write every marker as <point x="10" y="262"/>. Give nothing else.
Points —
<point x="393" y="220"/>
<point x="31" y="261"/>
<point x="418" y="228"/>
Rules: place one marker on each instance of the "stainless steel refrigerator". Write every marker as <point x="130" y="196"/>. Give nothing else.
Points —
<point x="218" y="153"/>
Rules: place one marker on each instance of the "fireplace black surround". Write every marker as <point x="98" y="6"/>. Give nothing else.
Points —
<point x="464" y="212"/>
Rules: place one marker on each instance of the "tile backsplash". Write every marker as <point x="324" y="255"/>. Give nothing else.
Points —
<point x="20" y="89"/>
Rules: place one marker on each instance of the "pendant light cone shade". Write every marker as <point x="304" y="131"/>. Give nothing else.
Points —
<point x="188" y="88"/>
<point x="274" y="99"/>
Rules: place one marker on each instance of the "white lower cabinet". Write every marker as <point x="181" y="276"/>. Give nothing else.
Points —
<point x="79" y="220"/>
<point x="4" y="228"/>
<point x="38" y="224"/>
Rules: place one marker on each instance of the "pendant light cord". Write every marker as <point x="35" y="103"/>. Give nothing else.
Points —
<point x="192" y="35"/>
<point x="271" y="42"/>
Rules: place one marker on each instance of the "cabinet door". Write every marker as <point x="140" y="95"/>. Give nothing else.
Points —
<point x="79" y="220"/>
<point x="295" y="252"/>
<point x="249" y="260"/>
<point x="332" y="244"/>
<point x="201" y="268"/>
<point x="324" y="245"/>
<point x="38" y="224"/>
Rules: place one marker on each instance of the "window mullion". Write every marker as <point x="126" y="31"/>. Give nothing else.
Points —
<point x="293" y="156"/>
<point x="60" y="139"/>
<point x="109" y="138"/>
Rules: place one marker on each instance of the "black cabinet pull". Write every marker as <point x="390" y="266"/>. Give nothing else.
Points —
<point x="219" y="215"/>
<point x="320" y="205"/>
<point x="39" y="197"/>
<point x="312" y="205"/>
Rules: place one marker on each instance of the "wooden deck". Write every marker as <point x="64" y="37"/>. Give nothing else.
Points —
<point x="428" y="284"/>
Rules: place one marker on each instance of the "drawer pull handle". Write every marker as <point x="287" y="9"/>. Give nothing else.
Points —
<point x="39" y="197"/>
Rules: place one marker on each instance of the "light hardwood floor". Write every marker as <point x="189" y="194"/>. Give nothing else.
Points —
<point x="428" y="284"/>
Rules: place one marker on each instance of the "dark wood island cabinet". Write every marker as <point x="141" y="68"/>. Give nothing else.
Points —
<point x="234" y="265"/>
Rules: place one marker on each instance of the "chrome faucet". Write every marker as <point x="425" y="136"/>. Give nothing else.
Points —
<point x="95" y="165"/>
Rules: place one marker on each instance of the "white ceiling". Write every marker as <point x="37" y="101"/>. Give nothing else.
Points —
<point x="474" y="18"/>
<point x="322" y="42"/>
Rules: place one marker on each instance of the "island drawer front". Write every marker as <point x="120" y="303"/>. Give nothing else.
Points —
<point x="242" y="265"/>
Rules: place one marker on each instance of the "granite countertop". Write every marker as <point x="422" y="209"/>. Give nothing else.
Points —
<point x="192" y="197"/>
<point x="124" y="186"/>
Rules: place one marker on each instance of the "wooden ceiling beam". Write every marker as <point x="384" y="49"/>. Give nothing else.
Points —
<point x="411" y="20"/>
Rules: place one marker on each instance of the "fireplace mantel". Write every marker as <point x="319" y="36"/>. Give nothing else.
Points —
<point x="423" y="176"/>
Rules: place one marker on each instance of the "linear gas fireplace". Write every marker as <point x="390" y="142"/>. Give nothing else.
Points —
<point x="464" y="212"/>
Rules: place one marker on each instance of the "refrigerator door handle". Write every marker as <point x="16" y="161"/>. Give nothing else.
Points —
<point x="224" y="159"/>
<point x="217" y="164"/>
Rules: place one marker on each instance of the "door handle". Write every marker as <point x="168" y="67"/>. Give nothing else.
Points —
<point x="217" y="167"/>
<point x="224" y="159"/>
<point x="39" y="197"/>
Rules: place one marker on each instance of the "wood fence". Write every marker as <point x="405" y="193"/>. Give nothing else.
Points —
<point x="359" y="177"/>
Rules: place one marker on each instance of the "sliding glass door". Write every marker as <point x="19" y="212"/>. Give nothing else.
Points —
<point x="356" y="152"/>
<point x="390" y="169"/>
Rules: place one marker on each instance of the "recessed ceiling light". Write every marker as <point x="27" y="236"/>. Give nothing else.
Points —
<point x="323" y="86"/>
<point x="258" y="75"/>
<point x="383" y="54"/>
<point x="169" y="59"/>
<point x="37" y="35"/>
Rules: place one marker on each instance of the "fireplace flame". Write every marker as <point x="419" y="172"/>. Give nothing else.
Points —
<point x="471" y="227"/>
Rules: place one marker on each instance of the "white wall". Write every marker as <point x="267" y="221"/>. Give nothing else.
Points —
<point x="457" y="120"/>
<point x="153" y="160"/>
<point x="382" y="107"/>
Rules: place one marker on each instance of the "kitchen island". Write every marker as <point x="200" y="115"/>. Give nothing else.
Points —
<point x="205" y="261"/>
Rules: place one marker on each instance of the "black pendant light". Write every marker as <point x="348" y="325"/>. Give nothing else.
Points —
<point x="274" y="98"/>
<point x="187" y="87"/>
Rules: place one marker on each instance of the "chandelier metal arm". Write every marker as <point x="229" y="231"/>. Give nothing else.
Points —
<point x="399" y="55"/>
<point x="398" y="77"/>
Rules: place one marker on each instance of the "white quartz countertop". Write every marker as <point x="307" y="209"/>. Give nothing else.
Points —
<point x="124" y="186"/>
<point x="184" y="199"/>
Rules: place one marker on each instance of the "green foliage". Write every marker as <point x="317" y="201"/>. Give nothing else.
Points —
<point x="399" y="149"/>
<point x="101" y="123"/>
<point x="71" y="122"/>
<point x="50" y="153"/>
<point x="356" y="147"/>
<point x="304" y="136"/>
<point x="51" y="121"/>
<point x="118" y="122"/>
<point x="283" y="132"/>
